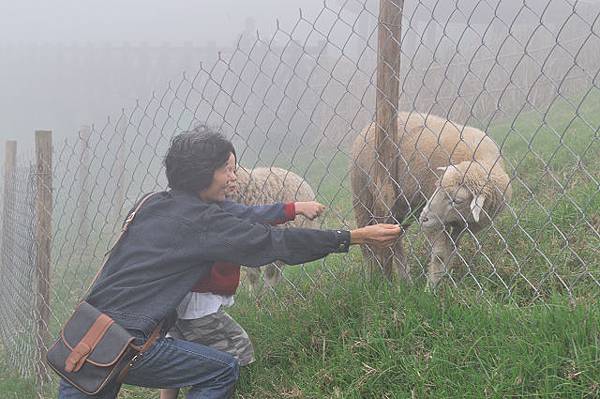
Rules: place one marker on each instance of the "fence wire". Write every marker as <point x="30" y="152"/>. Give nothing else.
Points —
<point x="524" y="72"/>
<point x="17" y="301"/>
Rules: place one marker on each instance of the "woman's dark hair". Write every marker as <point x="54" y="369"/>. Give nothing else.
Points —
<point x="193" y="157"/>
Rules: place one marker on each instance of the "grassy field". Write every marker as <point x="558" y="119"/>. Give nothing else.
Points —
<point x="356" y="339"/>
<point x="519" y="317"/>
<point x="370" y="340"/>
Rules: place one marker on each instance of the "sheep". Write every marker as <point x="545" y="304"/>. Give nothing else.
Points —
<point x="428" y="145"/>
<point x="264" y="186"/>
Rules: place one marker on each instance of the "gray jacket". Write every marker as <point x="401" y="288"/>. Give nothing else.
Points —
<point x="173" y="241"/>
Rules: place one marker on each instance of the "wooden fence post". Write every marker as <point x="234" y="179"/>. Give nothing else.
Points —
<point x="8" y="221"/>
<point x="386" y="137"/>
<point x="43" y="239"/>
<point x="8" y="211"/>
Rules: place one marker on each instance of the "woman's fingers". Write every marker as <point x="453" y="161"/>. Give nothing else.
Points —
<point x="383" y="235"/>
<point x="310" y="209"/>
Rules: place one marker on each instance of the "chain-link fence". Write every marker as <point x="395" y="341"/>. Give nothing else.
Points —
<point x="18" y="271"/>
<point x="524" y="72"/>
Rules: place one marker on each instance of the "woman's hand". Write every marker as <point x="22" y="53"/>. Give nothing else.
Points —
<point x="310" y="209"/>
<point x="378" y="235"/>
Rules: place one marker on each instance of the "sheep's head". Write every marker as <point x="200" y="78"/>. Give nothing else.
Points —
<point x="463" y="191"/>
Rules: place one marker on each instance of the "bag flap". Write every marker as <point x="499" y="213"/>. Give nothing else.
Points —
<point x="109" y="346"/>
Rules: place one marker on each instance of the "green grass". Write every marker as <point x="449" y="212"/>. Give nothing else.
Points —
<point x="12" y="386"/>
<point x="369" y="339"/>
<point x="373" y="340"/>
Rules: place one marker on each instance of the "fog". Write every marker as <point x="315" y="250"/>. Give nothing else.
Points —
<point x="53" y="74"/>
<point x="152" y="21"/>
<point x="66" y="63"/>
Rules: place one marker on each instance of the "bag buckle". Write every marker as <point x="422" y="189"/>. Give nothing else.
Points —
<point x="138" y="356"/>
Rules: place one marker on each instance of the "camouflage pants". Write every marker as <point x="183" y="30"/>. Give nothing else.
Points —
<point x="219" y="331"/>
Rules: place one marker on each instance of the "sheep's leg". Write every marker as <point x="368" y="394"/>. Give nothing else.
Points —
<point x="372" y="260"/>
<point x="371" y="255"/>
<point x="363" y="212"/>
<point x="379" y="261"/>
<point x="456" y="235"/>
<point x="385" y="260"/>
<point x="253" y="274"/>
<point x="401" y="266"/>
<point x="442" y="247"/>
<point x="273" y="275"/>
<point x="392" y="261"/>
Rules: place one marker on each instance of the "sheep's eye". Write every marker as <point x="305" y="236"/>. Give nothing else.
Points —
<point x="457" y="201"/>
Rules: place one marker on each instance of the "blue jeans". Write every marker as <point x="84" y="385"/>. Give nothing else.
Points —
<point x="173" y="363"/>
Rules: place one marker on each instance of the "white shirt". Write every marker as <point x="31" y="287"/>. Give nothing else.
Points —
<point x="199" y="304"/>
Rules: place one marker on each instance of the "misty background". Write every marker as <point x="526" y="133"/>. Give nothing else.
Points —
<point x="64" y="64"/>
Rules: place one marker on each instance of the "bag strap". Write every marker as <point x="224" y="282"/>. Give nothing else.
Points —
<point x="129" y="220"/>
<point x="86" y="346"/>
<point x="126" y="225"/>
<point x="141" y="350"/>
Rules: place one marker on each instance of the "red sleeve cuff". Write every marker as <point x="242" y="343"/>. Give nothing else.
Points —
<point x="289" y="210"/>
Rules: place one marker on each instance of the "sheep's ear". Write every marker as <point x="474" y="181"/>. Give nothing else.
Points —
<point x="477" y="206"/>
<point x="442" y="168"/>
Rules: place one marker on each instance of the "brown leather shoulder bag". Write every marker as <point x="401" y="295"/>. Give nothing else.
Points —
<point x="92" y="351"/>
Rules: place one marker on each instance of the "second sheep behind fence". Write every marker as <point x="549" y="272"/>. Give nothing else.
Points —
<point x="260" y="186"/>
